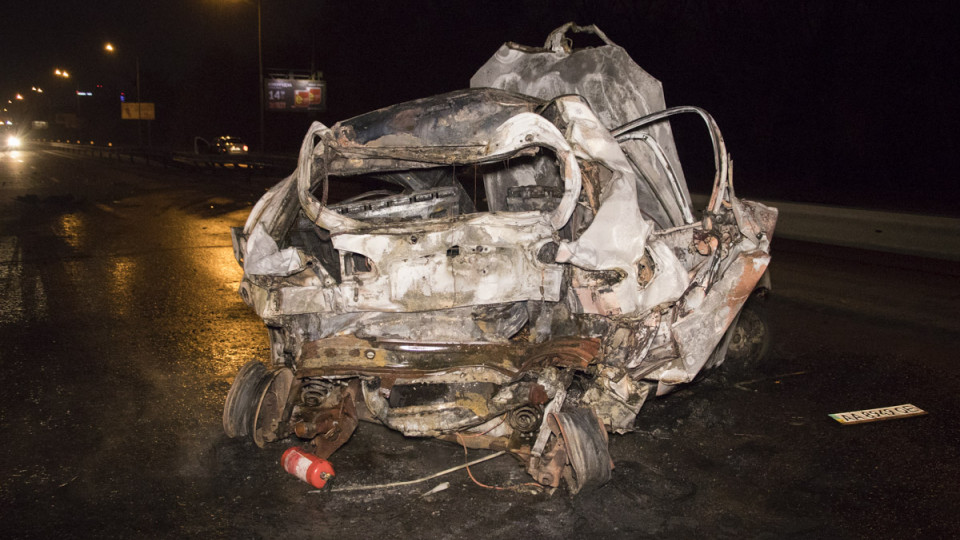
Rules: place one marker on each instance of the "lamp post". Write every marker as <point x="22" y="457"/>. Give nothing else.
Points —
<point x="64" y="74"/>
<point x="260" y="65"/>
<point x="111" y="49"/>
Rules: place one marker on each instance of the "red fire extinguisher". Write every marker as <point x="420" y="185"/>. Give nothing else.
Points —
<point x="307" y="467"/>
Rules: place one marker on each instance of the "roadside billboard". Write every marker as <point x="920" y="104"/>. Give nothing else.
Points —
<point x="137" y="111"/>
<point x="296" y="95"/>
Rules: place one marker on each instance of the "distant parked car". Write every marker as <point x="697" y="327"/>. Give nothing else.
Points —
<point x="228" y="145"/>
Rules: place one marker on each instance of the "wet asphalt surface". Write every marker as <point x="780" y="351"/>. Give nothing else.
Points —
<point x="121" y="329"/>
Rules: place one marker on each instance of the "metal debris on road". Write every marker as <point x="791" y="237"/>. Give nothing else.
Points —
<point x="437" y="489"/>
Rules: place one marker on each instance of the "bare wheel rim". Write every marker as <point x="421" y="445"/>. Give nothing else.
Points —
<point x="585" y="441"/>
<point x="238" y="407"/>
<point x="270" y="406"/>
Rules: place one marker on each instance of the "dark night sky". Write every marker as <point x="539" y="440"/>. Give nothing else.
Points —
<point x="849" y="102"/>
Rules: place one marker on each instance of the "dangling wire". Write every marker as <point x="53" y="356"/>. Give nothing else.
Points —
<point x="511" y="487"/>
<point x="416" y="481"/>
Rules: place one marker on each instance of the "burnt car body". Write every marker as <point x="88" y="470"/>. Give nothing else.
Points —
<point x="534" y="318"/>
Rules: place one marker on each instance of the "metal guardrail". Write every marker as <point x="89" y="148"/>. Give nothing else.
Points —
<point x="934" y="237"/>
<point x="891" y="232"/>
<point x="250" y="164"/>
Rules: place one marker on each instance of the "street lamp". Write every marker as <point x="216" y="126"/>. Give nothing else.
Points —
<point x="111" y="49"/>
<point x="260" y="65"/>
<point x="64" y="74"/>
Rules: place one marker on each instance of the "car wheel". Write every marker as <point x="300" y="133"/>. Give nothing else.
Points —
<point x="270" y="406"/>
<point x="586" y="446"/>
<point x="241" y="399"/>
<point x="751" y="340"/>
<point x="747" y="342"/>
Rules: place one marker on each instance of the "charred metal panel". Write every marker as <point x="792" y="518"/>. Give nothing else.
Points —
<point x="614" y="86"/>
<point x="534" y="327"/>
<point x="435" y="124"/>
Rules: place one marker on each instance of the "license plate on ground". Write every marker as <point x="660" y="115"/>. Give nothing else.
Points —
<point x="873" y="415"/>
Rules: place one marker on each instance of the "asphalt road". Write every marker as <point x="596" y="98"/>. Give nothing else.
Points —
<point x="120" y="330"/>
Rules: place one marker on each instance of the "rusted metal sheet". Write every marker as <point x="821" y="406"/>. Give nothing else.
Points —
<point x="350" y="355"/>
<point x="530" y="273"/>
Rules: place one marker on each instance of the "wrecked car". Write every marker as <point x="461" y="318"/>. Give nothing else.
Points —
<point x="532" y="273"/>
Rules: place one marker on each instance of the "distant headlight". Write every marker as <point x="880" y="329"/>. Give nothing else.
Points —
<point x="13" y="141"/>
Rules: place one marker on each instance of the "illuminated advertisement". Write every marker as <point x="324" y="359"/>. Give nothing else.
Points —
<point x="295" y="95"/>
